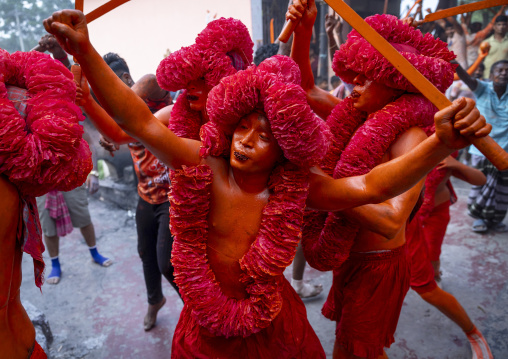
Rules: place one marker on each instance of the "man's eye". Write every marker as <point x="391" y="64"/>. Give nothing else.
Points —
<point x="264" y="137"/>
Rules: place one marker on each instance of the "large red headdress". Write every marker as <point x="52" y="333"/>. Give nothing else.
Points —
<point x="275" y="85"/>
<point x="430" y="56"/>
<point x="221" y="49"/>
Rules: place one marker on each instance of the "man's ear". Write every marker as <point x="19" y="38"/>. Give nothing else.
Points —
<point x="127" y="79"/>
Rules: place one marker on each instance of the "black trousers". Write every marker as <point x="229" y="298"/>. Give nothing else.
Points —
<point x="155" y="243"/>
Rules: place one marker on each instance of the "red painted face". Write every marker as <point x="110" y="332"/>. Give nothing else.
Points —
<point x="254" y="149"/>
<point x="197" y="93"/>
<point x="370" y="96"/>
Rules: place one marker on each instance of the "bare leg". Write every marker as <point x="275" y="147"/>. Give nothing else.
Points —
<point x="52" y="244"/>
<point x="437" y="270"/>
<point x="88" y="233"/>
<point x="304" y="290"/>
<point x="299" y="263"/>
<point x="449" y="306"/>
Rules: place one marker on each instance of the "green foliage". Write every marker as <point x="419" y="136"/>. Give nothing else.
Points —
<point x="28" y="15"/>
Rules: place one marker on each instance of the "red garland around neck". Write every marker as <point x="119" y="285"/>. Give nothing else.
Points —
<point x="263" y="265"/>
<point x="357" y="147"/>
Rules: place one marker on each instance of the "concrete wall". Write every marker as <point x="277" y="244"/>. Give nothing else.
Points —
<point x="142" y="30"/>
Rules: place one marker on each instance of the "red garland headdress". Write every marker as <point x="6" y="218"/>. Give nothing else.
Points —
<point x="302" y="136"/>
<point x="221" y="49"/>
<point x="430" y="56"/>
<point x="43" y="151"/>
<point x="274" y="83"/>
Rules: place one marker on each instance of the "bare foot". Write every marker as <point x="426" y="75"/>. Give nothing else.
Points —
<point x="151" y="314"/>
<point x="54" y="276"/>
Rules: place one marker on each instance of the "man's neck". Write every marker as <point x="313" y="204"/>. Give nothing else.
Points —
<point x="499" y="90"/>
<point x="249" y="182"/>
<point x="499" y="37"/>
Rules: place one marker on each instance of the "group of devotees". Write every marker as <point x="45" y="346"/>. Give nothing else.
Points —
<point x="260" y="159"/>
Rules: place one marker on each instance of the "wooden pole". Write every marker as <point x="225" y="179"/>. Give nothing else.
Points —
<point x="462" y="9"/>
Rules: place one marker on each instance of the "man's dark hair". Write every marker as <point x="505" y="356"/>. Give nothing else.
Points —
<point x="474" y="27"/>
<point x="334" y="79"/>
<point x="448" y="24"/>
<point x="501" y="18"/>
<point x="116" y="63"/>
<point x="265" y="51"/>
<point x="496" y="64"/>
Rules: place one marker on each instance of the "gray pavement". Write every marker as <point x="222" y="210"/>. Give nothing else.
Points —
<point x="98" y="312"/>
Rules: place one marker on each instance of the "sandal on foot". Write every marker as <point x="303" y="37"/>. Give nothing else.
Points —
<point x="151" y="314"/>
<point x="54" y="276"/>
<point x="479" y="226"/>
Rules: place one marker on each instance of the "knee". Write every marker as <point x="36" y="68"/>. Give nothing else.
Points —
<point x="166" y="268"/>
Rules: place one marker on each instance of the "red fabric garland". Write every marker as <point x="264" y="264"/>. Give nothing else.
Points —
<point x="327" y="238"/>
<point x="45" y="151"/>
<point x="263" y="265"/>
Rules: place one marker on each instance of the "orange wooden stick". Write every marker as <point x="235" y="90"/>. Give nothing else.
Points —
<point x="79" y="5"/>
<point x="287" y="31"/>
<point x="272" y="32"/>
<point x="462" y="9"/>
<point x="103" y="9"/>
<point x="412" y="7"/>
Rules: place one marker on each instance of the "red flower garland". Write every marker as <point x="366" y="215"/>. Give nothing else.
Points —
<point x="184" y="121"/>
<point x="263" y="265"/>
<point x="45" y="151"/>
<point x="274" y="84"/>
<point x="327" y="238"/>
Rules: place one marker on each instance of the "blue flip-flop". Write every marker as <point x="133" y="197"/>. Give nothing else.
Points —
<point x="479" y="226"/>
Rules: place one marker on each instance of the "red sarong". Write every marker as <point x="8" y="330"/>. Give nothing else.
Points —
<point x="366" y="299"/>
<point x="288" y="336"/>
<point x="422" y="273"/>
<point x="434" y="229"/>
<point x="38" y="353"/>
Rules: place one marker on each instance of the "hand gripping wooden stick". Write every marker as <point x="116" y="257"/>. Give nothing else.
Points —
<point x="462" y="9"/>
<point x="287" y="31"/>
<point x="490" y="149"/>
<point x="91" y="16"/>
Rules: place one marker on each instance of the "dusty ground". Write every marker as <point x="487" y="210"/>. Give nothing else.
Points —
<point x="98" y="312"/>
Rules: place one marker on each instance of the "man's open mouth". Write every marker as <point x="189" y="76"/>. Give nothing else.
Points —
<point x="241" y="157"/>
<point x="192" y="98"/>
<point x="355" y="94"/>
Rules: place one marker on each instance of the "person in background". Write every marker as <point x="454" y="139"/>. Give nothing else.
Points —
<point x="498" y="44"/>
<point x="488" y="204"/>
<point x="77" y="214"/>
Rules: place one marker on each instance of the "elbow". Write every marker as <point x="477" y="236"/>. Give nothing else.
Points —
<point x="392" y="229"/>
<point x="480" y="182"/>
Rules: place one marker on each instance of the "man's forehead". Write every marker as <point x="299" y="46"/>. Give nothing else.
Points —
<point x="259" y="118"/>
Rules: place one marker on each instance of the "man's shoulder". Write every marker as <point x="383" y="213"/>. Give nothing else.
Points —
<point x="408" y="140"/>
